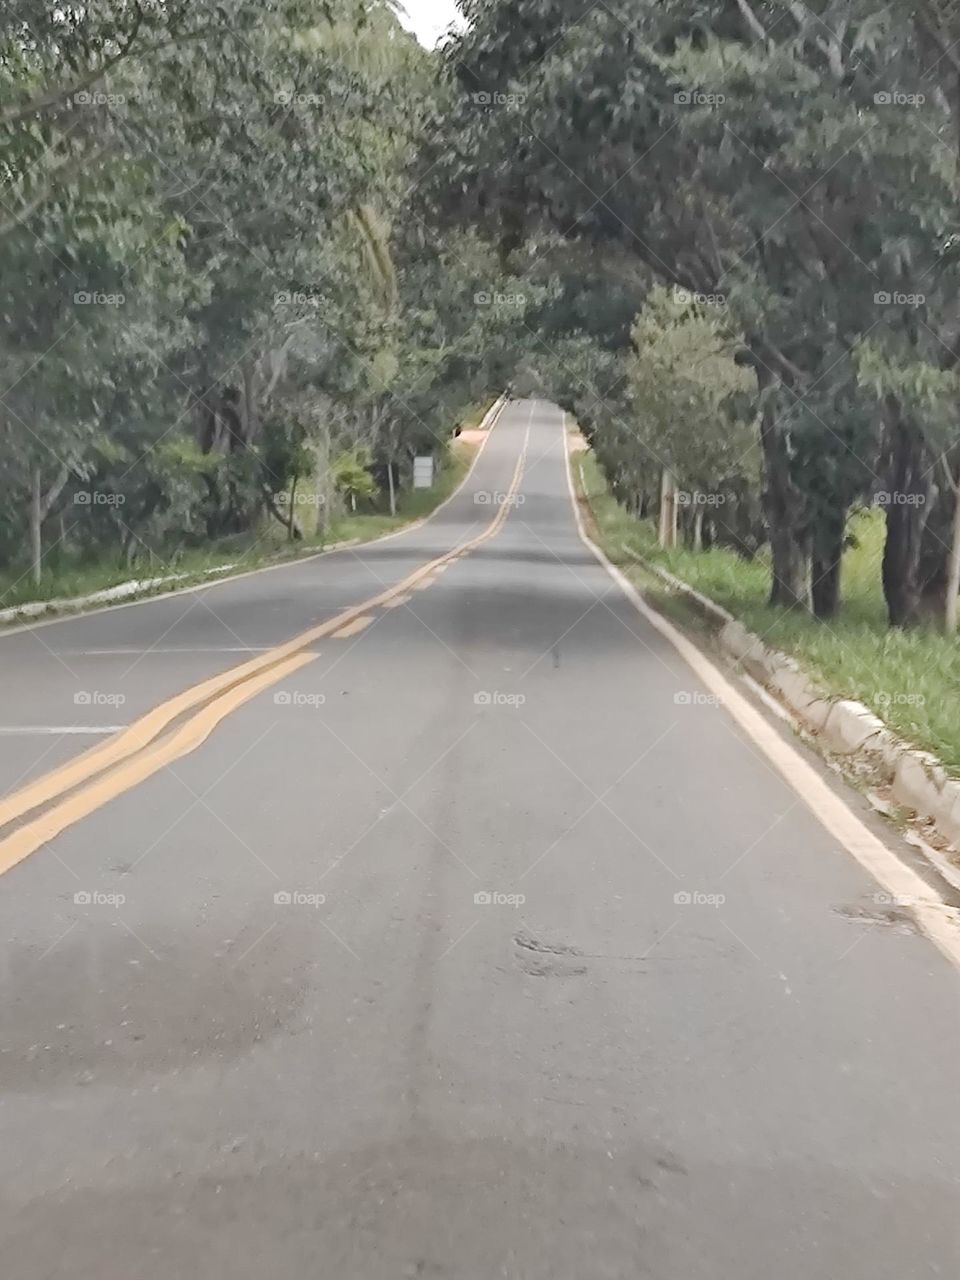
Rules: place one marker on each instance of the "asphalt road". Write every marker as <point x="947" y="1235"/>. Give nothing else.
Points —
<point x="682" y="1039"/>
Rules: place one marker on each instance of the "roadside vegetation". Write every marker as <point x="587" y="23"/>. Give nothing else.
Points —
<point x="762" y="265"/>
<point x="908" y="677"/>
<point x="223" y="327"/>
<point x="255" y="259"/>
<point x="62" y="581"/>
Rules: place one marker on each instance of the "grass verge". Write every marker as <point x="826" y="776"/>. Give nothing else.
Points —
<point x="910" y="679"/>
<point x="196" y="566"/>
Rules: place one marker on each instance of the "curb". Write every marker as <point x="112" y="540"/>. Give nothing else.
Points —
<point x="122" y="590"/>
<point x="917" y="779"/>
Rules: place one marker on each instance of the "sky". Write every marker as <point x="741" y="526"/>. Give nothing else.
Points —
<point x="428" y="19"/>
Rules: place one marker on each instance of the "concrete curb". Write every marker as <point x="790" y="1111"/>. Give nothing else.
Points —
<point x="488" y="419"/>
<point x="917" y="779"/>
<point x="122" y="591"/>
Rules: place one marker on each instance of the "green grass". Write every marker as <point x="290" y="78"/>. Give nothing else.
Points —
<point x="250" y="552"/>
<point x="911" y="679"/>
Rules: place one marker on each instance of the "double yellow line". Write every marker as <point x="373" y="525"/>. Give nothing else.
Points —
<point x="144" y="747"/>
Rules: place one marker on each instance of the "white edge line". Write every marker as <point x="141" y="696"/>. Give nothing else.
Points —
<point x="351" y="546"/>
<point x="10" y="730"/>
<point x="901" y="882"/>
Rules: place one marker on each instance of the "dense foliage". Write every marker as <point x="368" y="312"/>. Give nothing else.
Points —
<point x="272" y="243"/>
<point x="789" y="170"/>
<point x="211" y="287"/>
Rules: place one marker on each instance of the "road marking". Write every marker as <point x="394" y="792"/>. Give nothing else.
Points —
<point x="14" y="729"/>
<point x="902" y="883"/>
<point x="354" y="628"/>
<point x="268" y="568"/>
<point x="148" y="653"/>
<point x="30" y="837"/>
<point x="133" y="747"/>
<point x="395" y="604"/>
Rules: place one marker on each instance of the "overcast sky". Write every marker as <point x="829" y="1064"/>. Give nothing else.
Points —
<point x="428" y="19"/>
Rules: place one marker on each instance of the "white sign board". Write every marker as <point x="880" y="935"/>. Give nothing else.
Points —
<point x="423" y="472"/>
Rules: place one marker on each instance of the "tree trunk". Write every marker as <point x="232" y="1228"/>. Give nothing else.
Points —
<point x="907" y="514"/>
<point x="827" y="560"/>
<point x="953" y="570"/>
<point x="698" y="528"/>
<point x="36" y="528"/>
<point x="784" y="507"/>
<point x="249" y="414"/>
<point x="668" y="511"/>
<point x="293" y="507"/>
<point x="393" y="495"/>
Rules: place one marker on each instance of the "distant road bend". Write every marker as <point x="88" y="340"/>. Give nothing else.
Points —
<point x="419" y="910"/>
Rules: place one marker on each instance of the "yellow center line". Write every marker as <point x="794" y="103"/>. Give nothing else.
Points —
<point x="354" y="628"/>
<point x="28" y="838"/>
<point x="138" y="751"/>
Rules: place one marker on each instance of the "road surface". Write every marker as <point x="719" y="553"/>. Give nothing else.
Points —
<point x="479" y="942"/>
